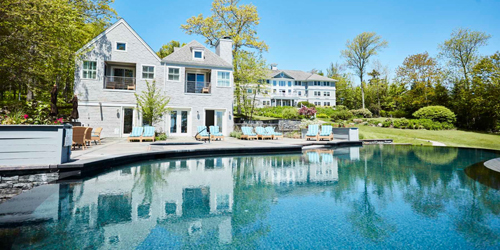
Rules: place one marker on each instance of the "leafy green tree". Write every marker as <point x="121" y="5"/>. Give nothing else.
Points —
<point x="168" y="48"/>
<point x="462" y="50"/>
<point x="152" y="104"/>
<point x="358" y="53"/>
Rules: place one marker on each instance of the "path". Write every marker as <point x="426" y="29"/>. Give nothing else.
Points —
<point x="434" y="143"/>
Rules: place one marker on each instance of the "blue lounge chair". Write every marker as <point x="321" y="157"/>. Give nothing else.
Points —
<point x="248" y="133"/>
<point x="326" y="133"/>
<point x="312" y="132"/>
<point x="136" y="134"/>
<point x="149" y="133"/>
<point x="262" y="133"/>
<point x="202" y="133"/>
<point x="215" y="133"/>
<point x="276" y="135"/>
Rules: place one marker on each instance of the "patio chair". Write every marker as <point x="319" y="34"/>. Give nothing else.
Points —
<point x="96" y="135"/>
<point x="136" y="134"/>
<point x="202" y="133"/>
<point x="276" y="135"/>
<point x="312" y="132"/>
<point x="88" y="136"/>
<point x="247" y="133"/>
<point x="262" y="133"/>
<point x="215" y="133"/>
<point x="79" y="137"/>
<point x="326" y="133"/>
<point x="149" y="133"/>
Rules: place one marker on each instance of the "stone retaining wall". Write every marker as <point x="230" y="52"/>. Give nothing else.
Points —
<point x="11" y="186"/>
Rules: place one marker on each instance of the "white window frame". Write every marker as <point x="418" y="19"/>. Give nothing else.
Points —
<point x="87" y="74"/>
<point x="168" y="72"/>
<point x="326" y="93"/>
<point x="202" y="54"/>
<point x="217" y="79"/>
<point x="116" y="46"/>
<point x="142" y="71"/>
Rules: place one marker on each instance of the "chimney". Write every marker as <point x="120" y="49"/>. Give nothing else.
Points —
<point x="176" y="48"/>
<point x="224" y="49"/>
<point x="274" y="66"/>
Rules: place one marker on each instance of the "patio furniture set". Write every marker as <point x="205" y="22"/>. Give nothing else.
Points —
<point x="83" y="136"/>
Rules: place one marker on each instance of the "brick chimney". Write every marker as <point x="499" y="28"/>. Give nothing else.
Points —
<point x="224" y="49"/>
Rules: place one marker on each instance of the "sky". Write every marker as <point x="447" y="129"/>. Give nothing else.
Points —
<point x="305" y="35"/>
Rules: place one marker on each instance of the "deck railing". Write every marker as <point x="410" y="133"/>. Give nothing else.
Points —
<point x="198" y="87"/>
<point x="119" y="82"/>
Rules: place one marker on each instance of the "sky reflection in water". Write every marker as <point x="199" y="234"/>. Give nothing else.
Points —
<point x="380" y="196"/>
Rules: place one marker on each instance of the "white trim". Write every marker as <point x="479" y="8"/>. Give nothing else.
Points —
<point x="121" y="21"/>
<point x="107" y="104"/>
<point x="116" y="46"/>
<point x="202" y="54"/>
<point x="217" y="79"/>
<point x="154" y="71"/>
<point x="119" y="90"/>
<point x="174" y="67"/>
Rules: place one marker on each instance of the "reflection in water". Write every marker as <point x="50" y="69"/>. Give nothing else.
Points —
<point x="372" y="197"/>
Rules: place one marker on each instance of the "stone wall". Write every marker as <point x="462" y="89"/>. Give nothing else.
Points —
<point x="11" y="186"/>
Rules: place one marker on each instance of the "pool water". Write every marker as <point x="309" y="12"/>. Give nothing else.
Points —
<point x="381" y="196"/>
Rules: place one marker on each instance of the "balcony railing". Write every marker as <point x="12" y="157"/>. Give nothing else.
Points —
<point x="281" y="94"/>
<point x="198" y="87"/>
<point x="119" y="82"/>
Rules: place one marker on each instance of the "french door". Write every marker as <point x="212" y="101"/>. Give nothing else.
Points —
<point x="179" y="122"/>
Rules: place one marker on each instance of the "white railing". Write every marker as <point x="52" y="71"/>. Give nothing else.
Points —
<point x="198" y="87"/>
<point x="119" y="82"/>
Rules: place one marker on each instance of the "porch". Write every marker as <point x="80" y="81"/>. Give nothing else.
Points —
<point x="120" y="76"/>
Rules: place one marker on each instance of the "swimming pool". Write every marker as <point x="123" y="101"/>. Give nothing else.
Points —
<point x="381" y="196"/>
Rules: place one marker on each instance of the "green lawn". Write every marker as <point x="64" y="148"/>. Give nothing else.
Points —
<point x="449" y="137"/>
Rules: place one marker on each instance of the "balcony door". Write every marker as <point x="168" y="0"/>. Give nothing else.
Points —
<point x="123" y="72"/>
<point x="195" y="82"/>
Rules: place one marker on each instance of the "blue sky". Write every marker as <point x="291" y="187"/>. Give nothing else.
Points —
<point x="310" y="34"/>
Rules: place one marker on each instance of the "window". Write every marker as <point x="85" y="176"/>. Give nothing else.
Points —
<point x="173" y="74"/>
<point x="148" y="72"/>
<point x="267" y="81"/>
<point x="198" y="54"/>
<point x="249" y="91"/>
<point x="317" y="103"/>
<point x="317" y="93"/>
<point x="327" y="104"/>
<point x="300" y="93"/>
<point x="282" y="84"/>
<point x="274" y="83"/>
<point x="289" y="83"/>
<point x="326" y="93"/>
<point x="223" y="79"/>
<point x="89" y="70"/>
<point x="121" y="46"/>
<point x="298" y="83"/>
<point x="327" y="83"/>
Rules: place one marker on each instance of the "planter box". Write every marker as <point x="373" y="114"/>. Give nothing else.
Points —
<point x="23" y="145"/>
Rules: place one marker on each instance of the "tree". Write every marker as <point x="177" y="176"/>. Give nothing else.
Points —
<point x="335" y="70"/>
<point x="462" y="49"/>
<point x="228" y="19"/>
<point x="250" y="75"/>
<point x="152" y="104"/>
<point x="358" y="53"/>
<point x="168" y="48"/>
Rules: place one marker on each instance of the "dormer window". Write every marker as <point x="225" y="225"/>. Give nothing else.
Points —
<point x="121" y="46"/>
<point x="198" y="54"/>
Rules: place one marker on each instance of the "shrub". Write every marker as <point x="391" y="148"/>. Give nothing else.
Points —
<point x="357" y="121"/>
<point x="307" y="104"/>
<point x="235" y="134"/>
<point x="362" y="113"/>
<point x="397" y="114"/>
<point x="341" y="107"/>
<point x="387" y="123"/>
<point x="436" y="113"/>
<point x="289" y="113"/>
<point x="161" y="137"/>
<point x="322" y="116"/>
<point x="308" y="112"/>
<point x="383" y="113"/>
<point x="341" y="115"/>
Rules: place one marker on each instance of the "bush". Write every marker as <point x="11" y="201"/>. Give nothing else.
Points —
<point x="235" y="134"/>
<point x="397" y="114"/>
<point x="436" y="113"/>
<point x="307" y="112"/>
<point x="341" y="107"/>
<point x="357" y="121"/>
<point x="322" y="116"/>
<point x="290" y="113"/>
<point x="307" y="104"/>
<point x="341" y="115"/>
<point x="161" y="137"/>
<point x="383" y="113"/>
<point x="362" y="113"/>
<point x="387" y="123"/>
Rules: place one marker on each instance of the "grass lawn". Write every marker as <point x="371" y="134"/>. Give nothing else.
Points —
<point x="263" y="118"/>
<point x="449" y="137"/>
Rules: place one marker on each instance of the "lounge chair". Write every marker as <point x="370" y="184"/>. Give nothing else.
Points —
<point x="276" y="135"/>
<point x="262" y="133"/>
<point x="326" y="133"/>
<point x="215" y="133"/>
<point x="247" y="133"/>
<point x="88" y="136"/>
<point x="96" y="135"/>
<point x="326" y="158"/>
<point x="312" y="132"/>
<point x="202" y="133"/>
<point x="149" y="133"/>
<point x="136" y="134"/>
<point x="313" y="157"/>
<point x="79" y="137"/>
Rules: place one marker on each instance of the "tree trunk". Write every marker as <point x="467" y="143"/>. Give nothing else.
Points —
<point x="362" y="91"/>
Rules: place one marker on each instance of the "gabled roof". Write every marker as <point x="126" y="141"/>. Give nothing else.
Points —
<point x="113" y="26"/>
<point x="184" y="56"/>
<point x="299" y="75"/>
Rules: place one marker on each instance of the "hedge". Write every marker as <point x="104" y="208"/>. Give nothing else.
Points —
<point x="436" y="113"/>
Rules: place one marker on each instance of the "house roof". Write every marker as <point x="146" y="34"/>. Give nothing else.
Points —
<point x="299" y="75"/>
<point x="184" y="56"/>
<point x="113" y="26"/>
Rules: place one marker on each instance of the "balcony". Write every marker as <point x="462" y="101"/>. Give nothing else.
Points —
<point x="285" y="94"/>
<point x="119" y="82"/>
<point x="197" y="87"/>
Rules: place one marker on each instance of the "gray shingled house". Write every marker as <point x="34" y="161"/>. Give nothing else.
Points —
<point x="117" y="63"/>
